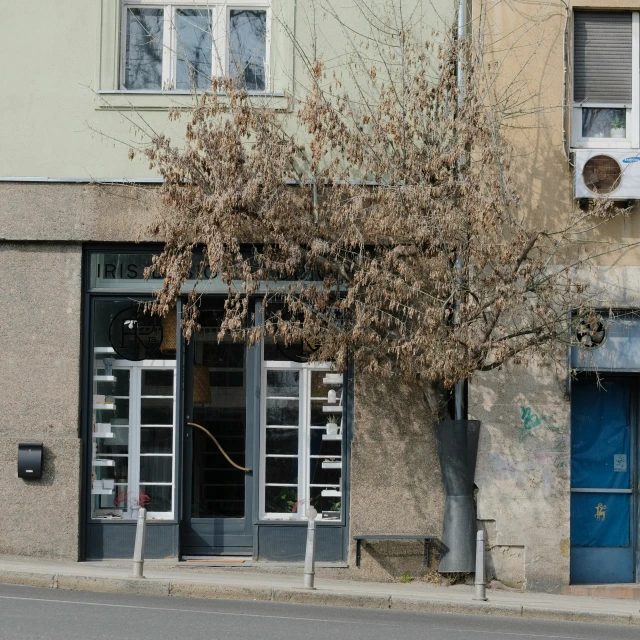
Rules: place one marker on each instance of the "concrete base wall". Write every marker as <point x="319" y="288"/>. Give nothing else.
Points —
<point x="396" y="485"/>
<point x="523" y="474"/>
<point x="40" y="321"/>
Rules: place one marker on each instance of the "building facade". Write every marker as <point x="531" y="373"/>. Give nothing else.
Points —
<point x="113" y="394"/>
<point x="225" y="445"/>
<point x="558" y="463"/>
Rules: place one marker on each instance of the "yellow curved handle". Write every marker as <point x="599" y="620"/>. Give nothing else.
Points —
<point x="222" y="451"/>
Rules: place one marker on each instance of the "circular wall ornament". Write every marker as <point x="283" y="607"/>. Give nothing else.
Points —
<point x="135" y="335"/>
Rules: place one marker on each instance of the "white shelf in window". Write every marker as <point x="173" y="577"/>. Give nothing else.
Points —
<point x="101" y="492"/>
<point x="102" y="434"/>
<point x="103" y="350"/>
<point x="331" y="408"/>
<point x="103" y="406"/>
<point x="104" y="378"/>
<point x="101" y="462"/>
<point x="326" y="436"/>
<point x="331" y="465"/>
<point x="328" y="380"/>
<point x="331" y="493"/>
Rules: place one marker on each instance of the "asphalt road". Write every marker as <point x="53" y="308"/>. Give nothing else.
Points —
<point x="27" y="613"/>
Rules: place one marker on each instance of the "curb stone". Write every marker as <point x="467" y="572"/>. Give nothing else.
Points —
<point x="46" y="580"/>
<point x="185" y="589"/>
<point x="135" y="586"/>
<point x="442" y="606"/>
<point x="331" y="598"/>
<point x="181" y="589"/>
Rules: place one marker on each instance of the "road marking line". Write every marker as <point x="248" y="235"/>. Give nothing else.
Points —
<point x="256" y="615"/>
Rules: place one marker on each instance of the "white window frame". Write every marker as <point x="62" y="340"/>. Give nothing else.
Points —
<point x="304" y="432"/>
<point x="632" y="140"/>
<point x="219" y="59"/>
<point x="134" y="426"/>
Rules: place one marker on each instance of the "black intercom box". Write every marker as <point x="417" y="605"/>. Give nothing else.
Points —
<point x="30" y="460"/>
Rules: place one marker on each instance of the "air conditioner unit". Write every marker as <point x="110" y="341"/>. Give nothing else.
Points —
<point x="613" y="174"/>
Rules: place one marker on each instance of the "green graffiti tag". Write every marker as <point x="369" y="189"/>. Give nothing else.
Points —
<point x="530" y="421"/>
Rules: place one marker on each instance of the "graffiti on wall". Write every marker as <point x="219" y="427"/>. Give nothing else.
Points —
<point x="532" y="421"/>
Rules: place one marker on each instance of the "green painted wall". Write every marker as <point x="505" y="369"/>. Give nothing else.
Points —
<point x="61" y="118"/>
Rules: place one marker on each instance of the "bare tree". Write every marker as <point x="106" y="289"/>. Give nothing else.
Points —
<point x="378" y="222"/>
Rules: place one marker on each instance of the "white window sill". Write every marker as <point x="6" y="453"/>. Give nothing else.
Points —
<point x="602" y="143"/>
<point x="122" y="100"/>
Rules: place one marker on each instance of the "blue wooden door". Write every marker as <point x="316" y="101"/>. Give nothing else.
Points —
<point x="603" y="481"/>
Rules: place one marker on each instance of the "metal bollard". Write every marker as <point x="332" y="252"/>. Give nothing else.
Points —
<point x="138" y="550"/>
<point x="480" y="584"/>
<point x="310" y="555"/>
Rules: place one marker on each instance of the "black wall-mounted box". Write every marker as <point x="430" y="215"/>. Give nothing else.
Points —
<point x="30" y="460"/>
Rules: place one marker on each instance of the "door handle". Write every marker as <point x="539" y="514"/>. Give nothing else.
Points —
<point x="222" y="451"/>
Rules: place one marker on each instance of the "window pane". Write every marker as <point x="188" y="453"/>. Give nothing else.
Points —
<point x="193" y="31"/>
<point x="160" y="497"/>
<point x="156" y="468"/>
<point x="156" y="411"/>
<point x="157" y="382"/>
<point x="121" y="385"/>
<point x="282" y="412"/>
<point x="604" y="123"/>
<point x="282" y="441"/>
<point x="282" y="470"/>
<point x="143" y="50"/>
<point x="282" y="383"/>
<point x="156" y="440"/>
<point x="280" y="499"/>
<point x="248" y="47"/>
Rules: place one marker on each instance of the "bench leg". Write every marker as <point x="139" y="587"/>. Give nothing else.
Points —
<point x="358" y="552"/>
<point x="425" y="560"/>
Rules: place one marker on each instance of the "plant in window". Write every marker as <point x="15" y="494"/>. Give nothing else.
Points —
<point x="618" y="127"/>
<point x="332" y="426"/>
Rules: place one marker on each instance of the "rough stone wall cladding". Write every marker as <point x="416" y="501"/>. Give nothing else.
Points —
<point x="395" y="476"/>
<point x="523" y="473"/>
<point x="39" y="397"/>
<point x="76" y="212"/>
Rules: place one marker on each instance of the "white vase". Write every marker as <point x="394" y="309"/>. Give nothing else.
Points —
<point x="332" y="429"/>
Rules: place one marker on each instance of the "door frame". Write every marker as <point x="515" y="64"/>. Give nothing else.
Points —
<point x="634" y="461"/>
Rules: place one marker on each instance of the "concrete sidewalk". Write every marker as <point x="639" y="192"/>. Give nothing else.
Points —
<point x="181" y="580"/>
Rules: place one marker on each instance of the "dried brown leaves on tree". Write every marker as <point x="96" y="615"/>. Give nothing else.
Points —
<point x="378" y="220"/>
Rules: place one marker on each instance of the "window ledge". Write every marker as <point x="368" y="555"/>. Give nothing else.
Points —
<point x="121" y="100"/>
<point x="602" y="143"/>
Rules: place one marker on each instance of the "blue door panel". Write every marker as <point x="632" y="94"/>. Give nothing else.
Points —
<point x="603" y="521"/>
<point x="590" y="565"/>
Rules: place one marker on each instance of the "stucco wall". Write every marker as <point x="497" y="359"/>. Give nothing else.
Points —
<point x="523" y="473"/>
<point x="75" y="212"/>
<point x="395" y="476"/>
<point x="39" y="397"/>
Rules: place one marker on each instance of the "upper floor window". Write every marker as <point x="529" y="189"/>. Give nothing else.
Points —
<point x="182" y="45"/>
<point x="605" y="79"/>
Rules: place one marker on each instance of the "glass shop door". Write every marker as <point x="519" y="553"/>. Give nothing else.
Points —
<point x="218" y="490"/>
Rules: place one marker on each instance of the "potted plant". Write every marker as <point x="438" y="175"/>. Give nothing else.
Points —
<point x="618" y="127"/>
<point x="332" y="426"/>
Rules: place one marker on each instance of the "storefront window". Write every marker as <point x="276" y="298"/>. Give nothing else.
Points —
<point x="301" y="439"/>
<point x="133" y="412"/>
